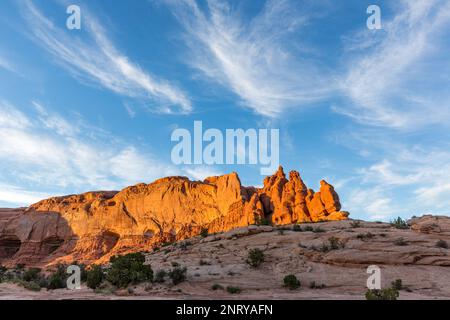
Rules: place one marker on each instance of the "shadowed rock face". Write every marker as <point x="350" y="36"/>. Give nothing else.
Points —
<point x="93" y="226"/>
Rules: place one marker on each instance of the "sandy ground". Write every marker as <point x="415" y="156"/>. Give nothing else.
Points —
<point x="221" y="259"/>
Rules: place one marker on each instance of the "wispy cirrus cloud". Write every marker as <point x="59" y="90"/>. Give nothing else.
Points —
<point x="252" y="58"/>
<point x="6" y="65"/>
<point x="398" y="76"/>
<point x="97" y="60"/>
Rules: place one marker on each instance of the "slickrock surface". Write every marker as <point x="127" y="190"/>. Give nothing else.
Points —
<point x="91" y="227"/>
<point x="221" y="259"/>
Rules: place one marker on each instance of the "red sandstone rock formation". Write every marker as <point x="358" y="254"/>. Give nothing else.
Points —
<point x="93" y="226"/>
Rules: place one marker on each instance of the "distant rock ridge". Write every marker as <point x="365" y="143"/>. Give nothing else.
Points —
<point x="91" y="227"/>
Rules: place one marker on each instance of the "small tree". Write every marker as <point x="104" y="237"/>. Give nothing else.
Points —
<point x="399" y="223"/>
<point x="178" y="275"/>
<point x="58" y="279"/>
<point x="159" y="276"/>
<point x="32" y="274"/>
<point x="94" y="277"/>
<point x="128" y="269"/>
<point x="397" y="284"/>
<point x="291" y="282"/>
<point x="233" y="290"/>
<point x="255" y="257"/>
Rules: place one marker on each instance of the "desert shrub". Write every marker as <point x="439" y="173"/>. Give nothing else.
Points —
<point x="178" y="275"/>
<point x="43" y="282"/>
<point x="32" y="285"/>
<point x="297" y="228"/>
<point x="314" y="285"/>
<point x="2" y="272"/>
<point x="355" y="224"/>
<point x="291" y="282"/>
<point x="400" y="242"/>
<point x="308" y="228"/>
<point x="204" y="232"/>
<point x="94" y="277"/>
<point x="58" y="279"/>
<point x="31" y="274"/>
<point x="159" y="276"/>
<point x="184" y="245"/>
<point x="397" y="284"/>
<point x="442" y="244"/>
<point x="318" y="230"/>
<point x="335" y="243"/>
<point x="382" y="294"/>
<point x="255" y="257"/>
<point x="216" y="286"/>
<point x="399" y="223"/>
<point x="233" y="290"/>
<point x="365" y="236"/>
<point x="128" y="269"/>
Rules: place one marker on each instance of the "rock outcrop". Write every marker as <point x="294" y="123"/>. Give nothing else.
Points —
<point x="91" y="227"/>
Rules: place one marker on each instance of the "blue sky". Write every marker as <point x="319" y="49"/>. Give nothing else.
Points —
<point x="89" y="109"/>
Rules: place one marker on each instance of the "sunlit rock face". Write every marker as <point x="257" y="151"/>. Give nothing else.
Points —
<point x="93" y="226"/>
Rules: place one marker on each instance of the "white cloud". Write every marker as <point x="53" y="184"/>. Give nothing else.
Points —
<point x="253" y="58"/>
<point x="18" y="196"/>
<point x="399" y="79"/>
<point x="62" y="156"/>
<point x="99" y="61"/>
<point x="6" y="65"/>
<point x="201" y="172"/>
<point x="374" y="202"/>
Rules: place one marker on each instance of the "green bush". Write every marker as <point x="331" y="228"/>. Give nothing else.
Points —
<point x="397" y="284"/>
<point x="94" y="277"/>
<point x="58" y="279"/>
<point x="159" y="276"/>
<point x="216" y="286"/>
<point x="32" y="285"/>
<point x="335" y="243"/>
<point x="382" y="294"/>
<point x="291" y="282"/>
<point x="314" y="285"/>
<point x="178" y="275"/>
<point x="308" y="228"/>
<point x="233" y="290"/>
<point x="31" y="274"/>
<point x="442" y="244"/>
<point x="255" y="257"/>
<point x="399" y="223"/>
<point x="297" y="228"/>
<point x="128" y="269"/>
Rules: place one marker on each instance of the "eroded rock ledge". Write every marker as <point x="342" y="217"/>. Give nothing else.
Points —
<point x="91" y="227"/>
